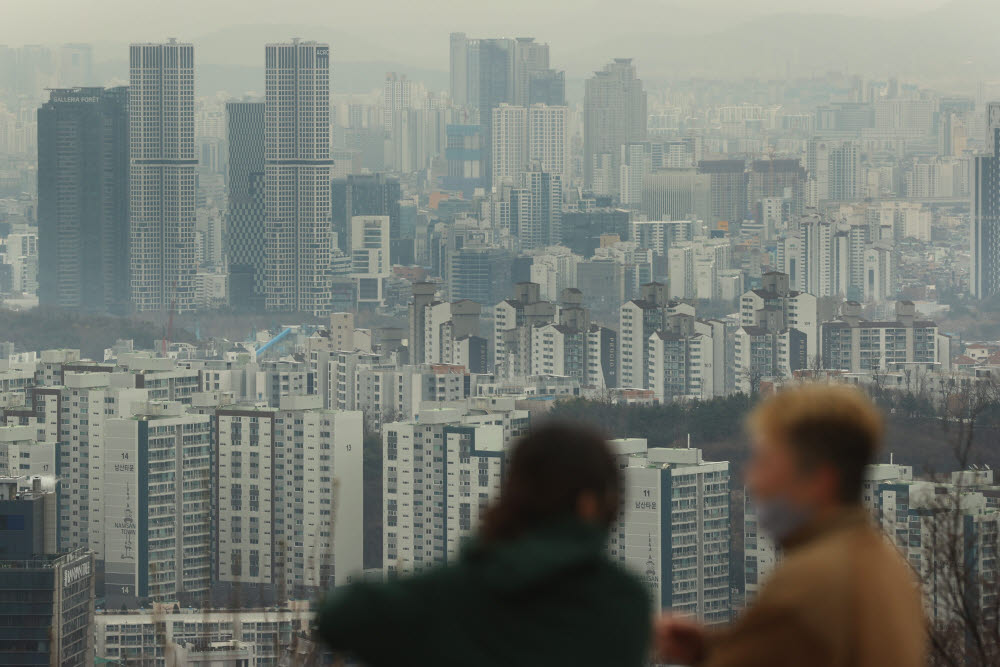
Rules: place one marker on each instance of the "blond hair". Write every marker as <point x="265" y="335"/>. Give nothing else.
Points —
<point x="825" y="424"/>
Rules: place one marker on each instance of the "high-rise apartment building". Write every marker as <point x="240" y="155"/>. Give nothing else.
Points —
<point x="614" y="112"/>
<point x="674" y="528"/>
<point x="984" y="275"/>
<point x="83" y="199"/>
<point x="162" y="175"/>
<point x="396" y="97"/>
<point x="287" y="479"/>
<point x="440" y="470"/>
<point x="157" y="498"/>
<point x="638" y="320"/>
<point x="834" y="166"/>
<point x="727" y="190"/>
<point x="245" y="222"/>
<point x="297" y="181"/>
<point x="536" y="208"/>
<point x="537" y="135"/>
<point x="548" y="139"/>
<point x="510" y="142"/>
<point x="776" y="305"/>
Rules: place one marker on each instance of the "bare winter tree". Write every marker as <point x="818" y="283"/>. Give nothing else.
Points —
<point x="959" y="539"/>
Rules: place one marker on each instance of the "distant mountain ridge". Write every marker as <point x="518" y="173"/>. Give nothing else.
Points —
<point x="956" y="42"/>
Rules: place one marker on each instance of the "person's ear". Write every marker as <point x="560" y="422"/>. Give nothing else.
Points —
<point x="827" y="484"/>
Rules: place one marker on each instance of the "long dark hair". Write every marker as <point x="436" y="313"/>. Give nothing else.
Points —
<point x="547" y="472"/>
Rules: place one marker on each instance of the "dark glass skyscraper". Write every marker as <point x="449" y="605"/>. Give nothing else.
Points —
<point x="83" y="199"/>
<point x="363" y="194"/>
<point x="245" y="183"/>
<point x="984" y="278"/>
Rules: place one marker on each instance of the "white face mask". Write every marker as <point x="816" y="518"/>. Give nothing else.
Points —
<point x="780" y="518"/>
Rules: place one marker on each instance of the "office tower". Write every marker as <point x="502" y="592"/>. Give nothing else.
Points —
<point x="727" y="190"/>
<point x="677" y="194"/>
<point x="582" y="230"/>
<point x="673" y="530"/>
<point x="363" y="194"/>
<point x="529" y="57"/>
<point x="464" y="153"/>
<point x="289" y="501"/>
<point x="779" y="178"/>
<point x="488" y="72"/>
<point x="614" y="112"/>
<point x="548" y="139"/>
<point x="48" y="595"/>
<point x="297" y="181"/>
<point x="984" y="275"/>
<point x="83" y="200"/>
<point x="247" y="256"/>
<point x="157" y="501"/>
<point x="547" y="87"/>
<point x="370" y="256"/>
<point x="478" y="273"/>
<point x="396" y="97"/>
<point x="163" y="176"/>
<point x="458" y="68"/>
<point x="496" y="85"/>
<point x="510" y="142"/>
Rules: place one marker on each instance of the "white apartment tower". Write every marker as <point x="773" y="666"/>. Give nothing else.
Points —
<point x="289" y="500"/>
<point x="297" y="177"/>
<point x="510" y="142"/>
<point x="440" y="474"/>
<point x="397" y="92"/>
<point x="674" y="530"/>
<point x="157" y="507"/>
<point x="548" y="139"/>
<point x="163" y="167"/>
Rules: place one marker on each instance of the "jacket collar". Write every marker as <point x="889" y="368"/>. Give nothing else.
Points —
<point x="538" y="554"/>
<point x="844" y="519"/>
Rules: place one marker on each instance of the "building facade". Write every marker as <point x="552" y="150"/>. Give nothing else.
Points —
<point x="162" y="175"/>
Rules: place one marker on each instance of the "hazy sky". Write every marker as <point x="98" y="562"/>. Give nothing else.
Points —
<point x="401" y="27"/>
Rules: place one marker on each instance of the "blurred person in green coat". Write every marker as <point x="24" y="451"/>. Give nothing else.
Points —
<point x="534" y="587"/>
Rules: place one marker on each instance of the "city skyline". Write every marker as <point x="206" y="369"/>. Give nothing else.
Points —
<point x="271" y="321"/>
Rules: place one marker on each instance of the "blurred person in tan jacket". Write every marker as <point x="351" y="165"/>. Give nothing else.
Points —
<point x="842" y="595"/>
